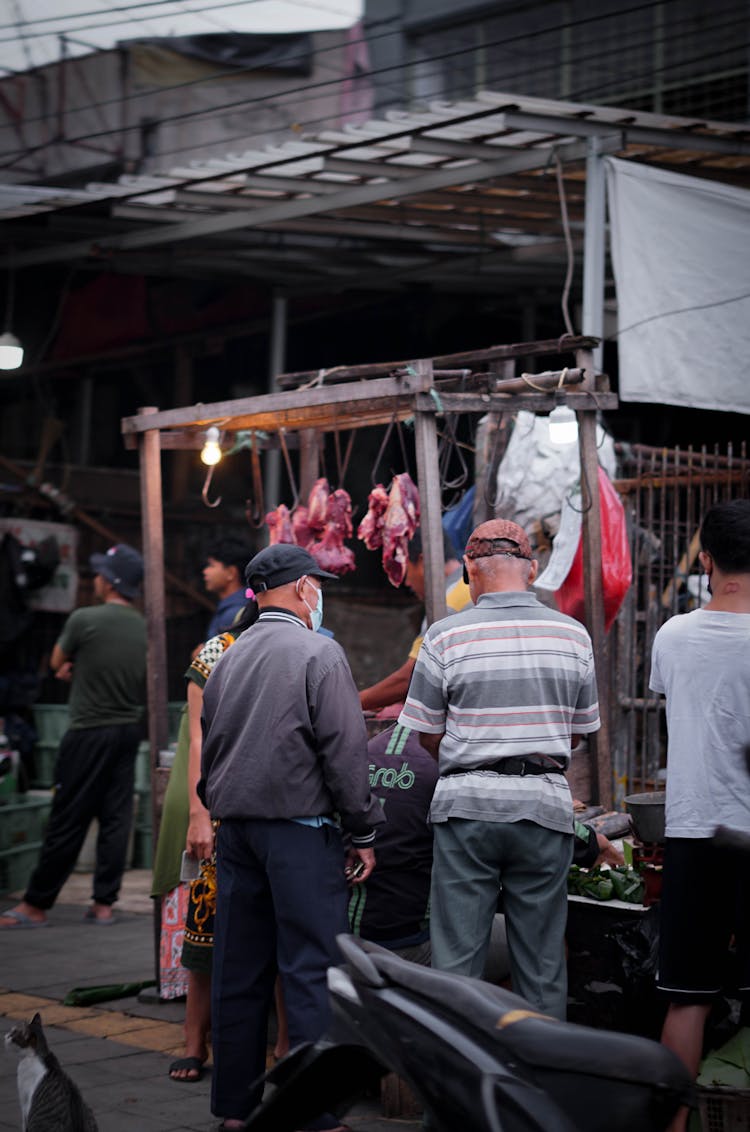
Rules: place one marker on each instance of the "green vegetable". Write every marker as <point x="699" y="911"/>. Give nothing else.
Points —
<point x="619" y="883"/>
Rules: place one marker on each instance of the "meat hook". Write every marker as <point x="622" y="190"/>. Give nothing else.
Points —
<point x="206" y="486"/>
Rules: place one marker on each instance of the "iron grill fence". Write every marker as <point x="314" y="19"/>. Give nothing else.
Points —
<point x="665" y="493"/>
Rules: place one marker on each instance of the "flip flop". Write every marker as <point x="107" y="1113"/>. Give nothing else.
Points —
<point x="21" y="920"/>
<point x="192" y="1064"/>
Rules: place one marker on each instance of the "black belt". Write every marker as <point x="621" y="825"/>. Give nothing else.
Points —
<point x="512" y="765"/>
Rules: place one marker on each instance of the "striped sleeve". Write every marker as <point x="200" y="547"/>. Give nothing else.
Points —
<point x="425" y="706"/>
<point x="585" y="717"/>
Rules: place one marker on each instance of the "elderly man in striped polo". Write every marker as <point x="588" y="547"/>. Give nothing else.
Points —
<point x="500" y="693"/>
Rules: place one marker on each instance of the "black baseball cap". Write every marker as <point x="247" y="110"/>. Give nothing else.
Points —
<point x="121" y="565"/>
<point x="281" y="563"/>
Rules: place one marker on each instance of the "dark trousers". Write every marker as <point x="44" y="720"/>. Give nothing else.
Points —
<point x="94" y="779"/>
<point x="281" y="900"/>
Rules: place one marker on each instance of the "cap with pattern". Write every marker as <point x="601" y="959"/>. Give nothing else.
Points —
<point x="492" y="537"/>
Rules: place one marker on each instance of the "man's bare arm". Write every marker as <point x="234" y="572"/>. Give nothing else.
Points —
<point x="431" y="743"/>
<point x="391" y="690"/>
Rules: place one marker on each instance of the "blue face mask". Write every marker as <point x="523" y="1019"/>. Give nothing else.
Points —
<point x="316" y="614"/>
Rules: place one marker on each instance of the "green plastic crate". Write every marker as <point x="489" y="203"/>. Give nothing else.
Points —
<point x="142" y="849"/>
<point x="45" y="761"/>
<point x="143" y="767"/>
<point x="16" y="866"/>
<point x="50" y="722"/>
<point x="22" y="821"/>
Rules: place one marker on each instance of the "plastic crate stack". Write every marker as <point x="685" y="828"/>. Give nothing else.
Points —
<point x="22" y="821"/>
<point x="143" y="849"/>
<point x="724" y="1109"/>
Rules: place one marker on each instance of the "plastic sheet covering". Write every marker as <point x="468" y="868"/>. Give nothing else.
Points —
<point x="536" y="476"/>
<point x="680" y="247"/>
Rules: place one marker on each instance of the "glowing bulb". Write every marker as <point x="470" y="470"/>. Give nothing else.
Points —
<point x="11" y="351"/>
<point x="563" y="426"/>
<point x="211" y="452"/>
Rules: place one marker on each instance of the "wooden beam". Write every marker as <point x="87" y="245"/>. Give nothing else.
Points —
<point x="550" y="346"/>
<point x="271" y="411"/>
<point x="508" y="403"/>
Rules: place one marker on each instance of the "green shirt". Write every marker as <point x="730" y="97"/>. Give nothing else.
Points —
<point x="107" y="644"/>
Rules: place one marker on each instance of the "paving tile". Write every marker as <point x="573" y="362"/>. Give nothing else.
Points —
<point x="20" y="1005"/>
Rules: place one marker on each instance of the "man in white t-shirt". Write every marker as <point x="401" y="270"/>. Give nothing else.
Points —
<point x="701" y="662"/>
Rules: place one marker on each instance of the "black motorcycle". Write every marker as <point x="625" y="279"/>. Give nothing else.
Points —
<point x="479" y="1058"/>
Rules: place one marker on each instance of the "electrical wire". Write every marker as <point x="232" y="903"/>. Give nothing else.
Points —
<point x="128" y="16"/>
<point x="22" y="154"/>
<point x="568" y="246"/>
<point x="238" y="72"/>
<point x="678" y="310"/>
<point x="162" y="4"/>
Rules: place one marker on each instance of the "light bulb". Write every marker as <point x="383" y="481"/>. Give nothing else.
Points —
<point x="563" y="426"/>
<point x="211" y="452"/>
<point x="11" y="351"/>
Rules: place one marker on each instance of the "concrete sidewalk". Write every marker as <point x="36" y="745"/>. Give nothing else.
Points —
<point x="117" y="1052"/>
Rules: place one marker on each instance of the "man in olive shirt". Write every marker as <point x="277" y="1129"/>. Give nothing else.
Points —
<point x="102" y="651"/>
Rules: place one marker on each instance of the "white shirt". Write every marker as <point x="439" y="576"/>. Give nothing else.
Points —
<point x="701" y="662"/>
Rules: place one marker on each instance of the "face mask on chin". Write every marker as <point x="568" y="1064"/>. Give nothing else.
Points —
<point x="316" y="611"/>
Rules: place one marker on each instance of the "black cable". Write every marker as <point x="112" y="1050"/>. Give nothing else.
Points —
<point x="308" y="87"/>
<point x="678" y="310"/>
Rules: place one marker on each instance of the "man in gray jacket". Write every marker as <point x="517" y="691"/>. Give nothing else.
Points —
<point x="285" y="767"/>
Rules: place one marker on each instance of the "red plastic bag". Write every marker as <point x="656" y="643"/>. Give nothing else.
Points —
<point x="617" y="568"/>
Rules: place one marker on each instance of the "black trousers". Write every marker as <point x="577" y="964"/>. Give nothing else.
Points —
<point x="94" y="778"/>
<point x="280" y="903"/>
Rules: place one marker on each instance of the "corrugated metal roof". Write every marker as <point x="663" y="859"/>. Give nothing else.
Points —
<point x="461" y="177"/>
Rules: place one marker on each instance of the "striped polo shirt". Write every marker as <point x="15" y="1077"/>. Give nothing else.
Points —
<point x="506" y="677"/>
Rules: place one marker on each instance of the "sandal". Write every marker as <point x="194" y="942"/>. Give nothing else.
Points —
<point x="193" y="1066"/>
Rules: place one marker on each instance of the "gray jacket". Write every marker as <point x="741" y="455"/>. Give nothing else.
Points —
<point x="283" y="731"/>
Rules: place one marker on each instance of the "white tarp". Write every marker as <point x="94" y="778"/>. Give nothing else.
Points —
<point x="537" y="480"/>
<point x="681" y="255"/>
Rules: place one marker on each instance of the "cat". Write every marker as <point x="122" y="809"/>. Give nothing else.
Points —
<point x="49" y="1099"/>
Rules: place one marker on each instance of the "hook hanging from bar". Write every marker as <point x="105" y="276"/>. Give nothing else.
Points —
<point x="381" y="450"/>
<point x="206" y="486"/>
<point x="257" y="515"/>
<point x="289" y="472"/>
<point x="342" y="465"/>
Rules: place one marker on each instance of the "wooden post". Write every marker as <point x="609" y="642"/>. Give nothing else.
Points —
<point x="154" y="604"/>
<point x="490" y="448"/>
<point x="593" y="595"/>
<point x="430" y="523"/>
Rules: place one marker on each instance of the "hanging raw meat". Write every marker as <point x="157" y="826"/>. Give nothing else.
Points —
<point x="400" y="521"/>
<point x="303" y="536"/>
<point x="410" y="500"/>
<point x="370" y="530"/>
<point x="317" y="505"/>
<point x="339" y="512"/>
<point x="279" y="523"/>
<point x="330" y="552"/>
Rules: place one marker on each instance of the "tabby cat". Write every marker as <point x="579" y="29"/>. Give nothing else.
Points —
<point x="49" y="1099"/>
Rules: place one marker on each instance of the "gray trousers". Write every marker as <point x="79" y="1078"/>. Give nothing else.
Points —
<point x="473" y="861"/>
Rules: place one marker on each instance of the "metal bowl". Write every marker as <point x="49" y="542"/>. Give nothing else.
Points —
<point x="647" y="815"/>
